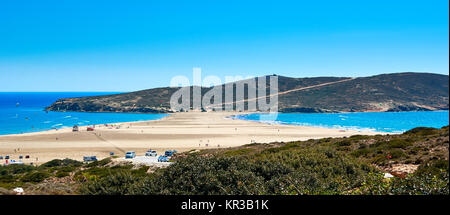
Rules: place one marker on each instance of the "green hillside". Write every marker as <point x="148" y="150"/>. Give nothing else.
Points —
<point x="387" y="92"/>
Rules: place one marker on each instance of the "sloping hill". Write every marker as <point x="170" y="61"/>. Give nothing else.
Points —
<point x="387" y="92"/>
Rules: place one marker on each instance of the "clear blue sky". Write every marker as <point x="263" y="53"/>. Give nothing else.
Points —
<point x="132" y="45"/>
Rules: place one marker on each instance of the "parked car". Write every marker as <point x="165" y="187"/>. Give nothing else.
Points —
<point x="89" y="158"/>
<point x="111" y="154"/>
<point x="163" y="158"/>
<point x="1" y="157"/>
<point x="20" y="156"/>
<point x="75" y="128"/>
<point x="14" y="162"/>
<point x="27" y="156"/>
<point x="170" y="153"/>
<point x="7" y="157"/>
<point x="130" y="154"/>
<point x="151" y="153"/>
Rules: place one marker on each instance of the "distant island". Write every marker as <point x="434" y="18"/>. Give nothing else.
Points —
<point x="381" y="93"/>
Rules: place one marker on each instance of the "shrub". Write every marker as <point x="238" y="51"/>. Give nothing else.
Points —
<point x="7" y="179"/>
<point x="380" y="160"/>
<point x="52" y="163"/>
<point x="102" y="162"/>
<point x="422" y="131"/>
<point x="357" y="137"/>
<point x="142" y="171"/>
<point x="298" y="171"/>
<point x="201" y="176"/>
<point x="61" y="174"/>
<point x="363" y="146"/>
<point x="65" y="162"/>
<point x="421" y="184"/>
<point x="118" y="183"/>
<point x="36" y="176"/>
<point x="361" y="152"/>
<point x="433" y="167"/>
<point x="399" y="143"/>
<point x="344" y="143"/>
<point x="397" y="153"/>
<point x="344" y="148"/>
<point x="412" y="185"/>
<point x="15" y="169"/>
<point x="415" y="150"/>
<point x="238" y="152"/>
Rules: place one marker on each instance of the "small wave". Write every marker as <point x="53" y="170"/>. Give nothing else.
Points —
<point x="269" y="122"/>
<point x="15" y="117"/>
<point x="47" y="122"/>
<point x="355" y="128"/>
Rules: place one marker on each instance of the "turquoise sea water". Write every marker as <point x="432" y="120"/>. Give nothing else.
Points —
<point x="393" y="122"/>
<point x="23" y="113"/>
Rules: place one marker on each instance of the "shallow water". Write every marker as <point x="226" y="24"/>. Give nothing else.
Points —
<point x="24" y="112"/>
<point x="393" y="122"/>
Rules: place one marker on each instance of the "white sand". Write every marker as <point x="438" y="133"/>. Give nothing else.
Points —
<point x="180" y="131"/>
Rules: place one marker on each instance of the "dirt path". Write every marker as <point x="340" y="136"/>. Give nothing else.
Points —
<point x="284" y="92"/>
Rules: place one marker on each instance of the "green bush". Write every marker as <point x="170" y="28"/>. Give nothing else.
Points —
<point x="421" y="184"/>
<point x="397" y="153"/>
<point x="422" y="131"/>
<point x="363" y="146"/>
<point x="433" y="167"/>
<point x="61" y="174"/>
<point x="36" y="176"/>
<point x="358" y="137"/>
<point x="289" y="171"/>
<point x="238" y="152"/>
<point x="201" y="176"/>
<point x="399" y="143"/>
<point x="344" y="143"/>
<point x="7" y="179"/>
<point x="380" y="160"/>
<point x="15" y="169"/>
<point x="142" y="171"/>
<point x="415" y="150"/>
<point x="118" y="183"/>
<point x="416" y="184"/>
<point x="361" y="152"/>
<point x="102" y="162"/>
<point x="65" y="162"/>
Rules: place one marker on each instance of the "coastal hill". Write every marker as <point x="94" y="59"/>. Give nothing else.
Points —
<point x="380" y="93"/>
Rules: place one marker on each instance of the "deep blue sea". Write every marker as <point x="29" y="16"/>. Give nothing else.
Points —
<point x="392" y="122"/>
<point x="24" y="112"/>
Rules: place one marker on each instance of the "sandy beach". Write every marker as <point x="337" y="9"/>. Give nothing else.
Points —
<point x="179" y="131"/>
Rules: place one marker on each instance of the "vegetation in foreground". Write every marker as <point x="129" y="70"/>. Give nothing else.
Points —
<point x="354" y="165"/>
